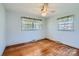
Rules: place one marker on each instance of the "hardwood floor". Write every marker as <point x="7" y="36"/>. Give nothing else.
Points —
<point x="44" y="47"/>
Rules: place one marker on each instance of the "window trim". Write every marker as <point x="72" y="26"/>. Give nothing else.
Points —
<point x="31" y="19"/>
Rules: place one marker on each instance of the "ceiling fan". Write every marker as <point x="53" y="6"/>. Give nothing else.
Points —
<point x="45" y="9"/>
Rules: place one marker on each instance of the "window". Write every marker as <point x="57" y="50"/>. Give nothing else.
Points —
<point x="65" y="23"/>
<point x="29" y="24"/>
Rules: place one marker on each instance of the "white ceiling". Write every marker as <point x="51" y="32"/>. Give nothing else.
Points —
<point x="34" y="8"/>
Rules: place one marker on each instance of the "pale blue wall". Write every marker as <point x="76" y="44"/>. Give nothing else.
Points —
<point x="67" y="37"/>
<point x="2" y="29"/>
<point x="15" y="35"/>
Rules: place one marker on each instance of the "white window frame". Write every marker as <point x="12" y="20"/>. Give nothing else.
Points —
<point x="30" y="24"/>
<point x="66" y="23"/>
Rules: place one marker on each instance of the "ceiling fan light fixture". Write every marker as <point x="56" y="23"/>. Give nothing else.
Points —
<point x="43" y="14"/>
<point x="44" y="9"/>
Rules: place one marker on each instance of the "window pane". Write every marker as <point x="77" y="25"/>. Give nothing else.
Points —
<point x="31" y="24"/>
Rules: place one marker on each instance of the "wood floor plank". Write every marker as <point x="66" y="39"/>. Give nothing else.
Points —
<point x="44" y="47"/>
